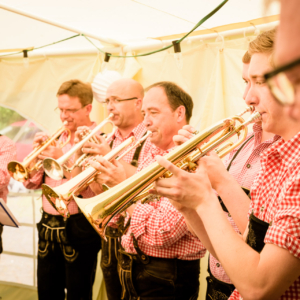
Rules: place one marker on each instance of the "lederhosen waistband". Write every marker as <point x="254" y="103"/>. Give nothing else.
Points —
<point x="127" y="261"/>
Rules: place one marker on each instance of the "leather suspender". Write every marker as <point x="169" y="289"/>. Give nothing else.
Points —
<point x="228" y="168"/>
<point x="137" y="152"/>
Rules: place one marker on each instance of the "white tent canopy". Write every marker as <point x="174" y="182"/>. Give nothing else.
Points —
<point x="121" y="21"/>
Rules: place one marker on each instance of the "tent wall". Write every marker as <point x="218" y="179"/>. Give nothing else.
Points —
<point x="211" y="74"/>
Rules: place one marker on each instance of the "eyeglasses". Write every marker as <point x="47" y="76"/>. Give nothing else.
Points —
<point x="280" y="85"/>
<point x="69" y="112"/>
<point x="116" y="101"/>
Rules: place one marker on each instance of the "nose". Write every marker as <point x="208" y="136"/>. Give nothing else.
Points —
<point x="147" y="121"/>
<point x="250" y="96"/>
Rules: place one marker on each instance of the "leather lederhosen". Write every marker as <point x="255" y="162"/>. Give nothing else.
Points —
<point x="70" y="234"/>
<point x="146" y="277"/>
<point x="216" y="289"/>
<point x="256" y="234"/>
<point x="109" y="255"/>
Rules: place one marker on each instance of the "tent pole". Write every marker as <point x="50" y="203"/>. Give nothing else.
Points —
<point x="60" y="25"/>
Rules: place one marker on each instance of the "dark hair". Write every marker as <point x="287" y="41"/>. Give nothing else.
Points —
<point x="176" y="96"/>
<point x="77" y="88"/>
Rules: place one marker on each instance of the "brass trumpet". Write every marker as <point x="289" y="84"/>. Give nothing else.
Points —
<point x="55" y="168"/>
<point x="59" y="197"/>
<point x="100" y="209"/>
<point x="19" y="171"/>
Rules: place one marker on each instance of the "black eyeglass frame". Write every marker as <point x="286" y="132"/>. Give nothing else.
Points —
<point x="120" y="100"/>
<point x="283" y="68"/>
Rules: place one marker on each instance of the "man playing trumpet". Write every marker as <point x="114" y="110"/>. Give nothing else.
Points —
<point x="160" y="257"/>
<point x="269" y="249"/>
<point x="124" y="100"/>
<point x="67" y="248"/>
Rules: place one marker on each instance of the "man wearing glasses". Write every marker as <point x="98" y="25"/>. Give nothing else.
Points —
<point x="265" y="262"/>
<point x="124" y="100"/>
<point x="67" y="248"/>
<point x="284" y="81"/>
<point x="159" y="258"/>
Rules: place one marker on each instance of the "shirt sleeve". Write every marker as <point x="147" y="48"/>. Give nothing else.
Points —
<point x="7" y="153"/>
<point x="87" y="193"/>
<point x="284" y="230"/>
<point x="158" y="224"/>
<point x="35" y="182"/>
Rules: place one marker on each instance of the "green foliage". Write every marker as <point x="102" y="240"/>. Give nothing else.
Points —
<point x="8" y="116"/>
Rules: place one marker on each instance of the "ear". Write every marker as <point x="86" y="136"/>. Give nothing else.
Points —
<point x="180" y="111"/>
<point x="89" y="108"/>
<point x="138" y="104"/>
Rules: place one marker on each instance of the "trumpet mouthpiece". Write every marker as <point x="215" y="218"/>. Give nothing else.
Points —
<point x="110" y="115"/>
<point x="256" y="116"/>
<point x="65" y="123"/>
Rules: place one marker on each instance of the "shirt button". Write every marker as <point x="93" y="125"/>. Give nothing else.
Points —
<point x="248" y="166"/>
<point x="218" y="265"/>
<point x="271" y="223"/>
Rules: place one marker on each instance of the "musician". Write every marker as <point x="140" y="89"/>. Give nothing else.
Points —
<point x="8" y="153"/>
<point x="264" y="263"/>
<point x="160" y="257"/>
<point x="124" y="99"/>
<point x="68" y="247"/>
<point x="287" y="58"/>
<point x="242" y="164"/>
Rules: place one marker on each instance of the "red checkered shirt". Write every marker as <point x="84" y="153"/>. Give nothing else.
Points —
<point x="160" y="229"/>
<point x="36" y="181"/>
<point x="138" y="133"/>
<point x="276" y="200"/>
<point x="244" y="168"/>
<point x="7" y="153"/>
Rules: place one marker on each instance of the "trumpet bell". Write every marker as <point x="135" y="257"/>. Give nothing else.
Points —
<point x="53" y="169"/>
<point x="17" y="171"/>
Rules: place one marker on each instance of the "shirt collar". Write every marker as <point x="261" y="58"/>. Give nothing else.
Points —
<point x="257" y="131"/>
<point x="289" y="151"/>
<point x="137" y="132"/>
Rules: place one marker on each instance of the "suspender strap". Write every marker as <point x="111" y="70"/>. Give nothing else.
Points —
<point x="135" y="159"/>
<point x="228" y="168"/>
<point x="137" y="152"/>
<point x="239" y="150"/>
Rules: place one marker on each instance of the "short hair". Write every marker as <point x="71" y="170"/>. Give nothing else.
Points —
<point x="264" y="43"/>
<point x="176" y="97"/>
<point x="77" y="88"/>
<point x="246" y="58"/>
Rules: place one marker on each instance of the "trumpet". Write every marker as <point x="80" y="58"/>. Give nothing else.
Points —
<point x="20" y="171"/>
<point x="99" y="210"/>
<point x="60" y="196"/>
<point x="55" y="168"/>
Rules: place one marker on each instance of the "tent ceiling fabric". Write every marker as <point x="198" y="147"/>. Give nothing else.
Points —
<point x="125" y="20"/>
